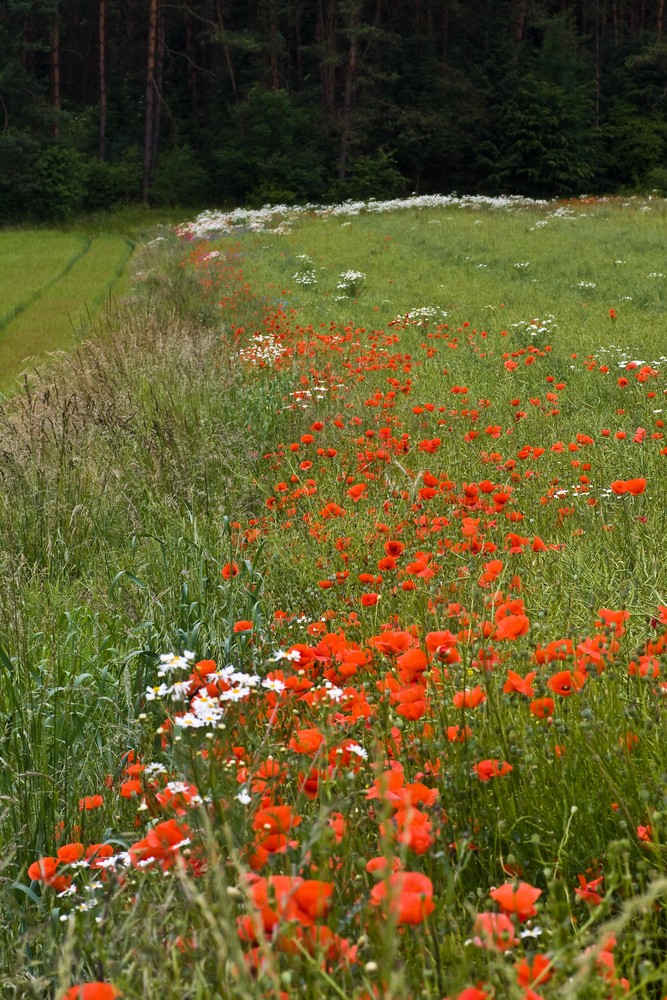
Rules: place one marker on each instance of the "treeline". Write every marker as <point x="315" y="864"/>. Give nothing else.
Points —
<point x="233" y="101"/>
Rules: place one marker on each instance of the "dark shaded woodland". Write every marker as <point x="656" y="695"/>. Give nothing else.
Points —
<point x="214" y="102"/>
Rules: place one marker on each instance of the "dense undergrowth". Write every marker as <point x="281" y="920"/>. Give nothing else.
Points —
<point x="334" y="619"/>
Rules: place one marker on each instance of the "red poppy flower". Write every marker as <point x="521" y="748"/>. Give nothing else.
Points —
<point x="275" y="819"/>
<point x="91" y="802"/>
<point x="91" y="991"/>
<point x="306" y="741"/>
<point x="494" y="931"/>
<point x="542" y="708"/>
<point x="243" y="626"/>
<point x="587" y="890"/>
<point x="284" y="898"/>
<point x="69" y="853"/>
<point x="469" y="697"/>
<point x="517" y="897"/>
<point x="392" y="643"/>
<point x="412" y="703"/>
<point x="160" y="845"/>
<point x="633" y="486"/>
<point x="413" y="660"/>
<point x="535" y="973"/>
<point x="43" y="870"/>
<point x="566" y="681"/>
<point x="471" y="993"/>
<point x="512" y="626"/>
<point x="521" y="685"/>
<point x="492" y="768"/>
<point x="408" y="897"/>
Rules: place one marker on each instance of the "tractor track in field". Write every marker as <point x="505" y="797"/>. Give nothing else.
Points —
<point x="25" y="303"/>
<point x="58" y="312"/>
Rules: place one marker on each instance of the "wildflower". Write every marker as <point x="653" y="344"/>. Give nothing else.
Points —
<point x="43" y="870"/>
<point x="91" y="802"/>
<point x="284" y="898"/>
<point x="542" y="708"/>
<point x="533" y="973"/>
<point x="633" y="486"/>
<point x="492" y="768"/>
<point x="469" y="697"/>
<point x="517" y="898"/>
<point x="494" y="931"/>
<point x="275" y="820"/>
<point x="243" y="626"/>
<point x="588" y="890"/>
<point x="518" y="684"/>
<point x="69" y="853"/>
<point x="471" y="993"/>
<point x="512" y="626"/>
<point x="91" y="991"/>
<point x="160" y="845"/>
<point x="408" y="897"/>
<point x="392" y="643"/>
<point x="566" y="681"/>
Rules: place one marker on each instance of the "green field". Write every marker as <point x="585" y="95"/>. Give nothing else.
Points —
<point x="333" y="616"/>
<point x="52" y="285"/>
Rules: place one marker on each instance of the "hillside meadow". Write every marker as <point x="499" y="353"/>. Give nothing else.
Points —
<point x="333" y="613"/>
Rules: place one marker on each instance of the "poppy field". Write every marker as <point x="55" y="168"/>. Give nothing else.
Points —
<point x="335" y="651"/>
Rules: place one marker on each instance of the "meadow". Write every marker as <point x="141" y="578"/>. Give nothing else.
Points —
<point x="334" y="614"/>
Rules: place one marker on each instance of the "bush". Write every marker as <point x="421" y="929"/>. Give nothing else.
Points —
<point x="179" y="179"/>
<point x="19" y="152"/>
<point x="272" y="152"/>
<point x="111" y="184"/>
<point x="57" y="184"/>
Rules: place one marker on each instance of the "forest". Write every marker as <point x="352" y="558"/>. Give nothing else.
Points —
<point x="214" y="102"/>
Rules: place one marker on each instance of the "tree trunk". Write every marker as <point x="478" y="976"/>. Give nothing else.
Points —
<point x="520" y="22"/>
<point x="149" y="121"/>
<point x="327" y="45"/>
<point x="102" y="55"/>
<point x="350" y="79"/>
<point x="221" y="26"/>
<point x="273" y="46"/>
<point x="660" y="17"/>
<point x="55" y="71"/>
<point x="191" y="53"/>
<point x="159" y="74"/>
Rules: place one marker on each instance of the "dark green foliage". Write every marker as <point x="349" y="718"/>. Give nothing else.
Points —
<point x="274" y="101"/>
<point x="179" y="179"/>
<point x="111" y="184"/>
<point x="543" y="146"/>
<point x="269" y="153"/>
<point x="57" y="184"/>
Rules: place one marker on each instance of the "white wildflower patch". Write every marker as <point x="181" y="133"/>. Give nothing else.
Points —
<point x="536" y="326"/>
<point x="170" y="662"/>
<point x="349" y="284"/>
<point x="306" y="275"/>
<point x="422" y="316"/>
<point x="277" y="218"/>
